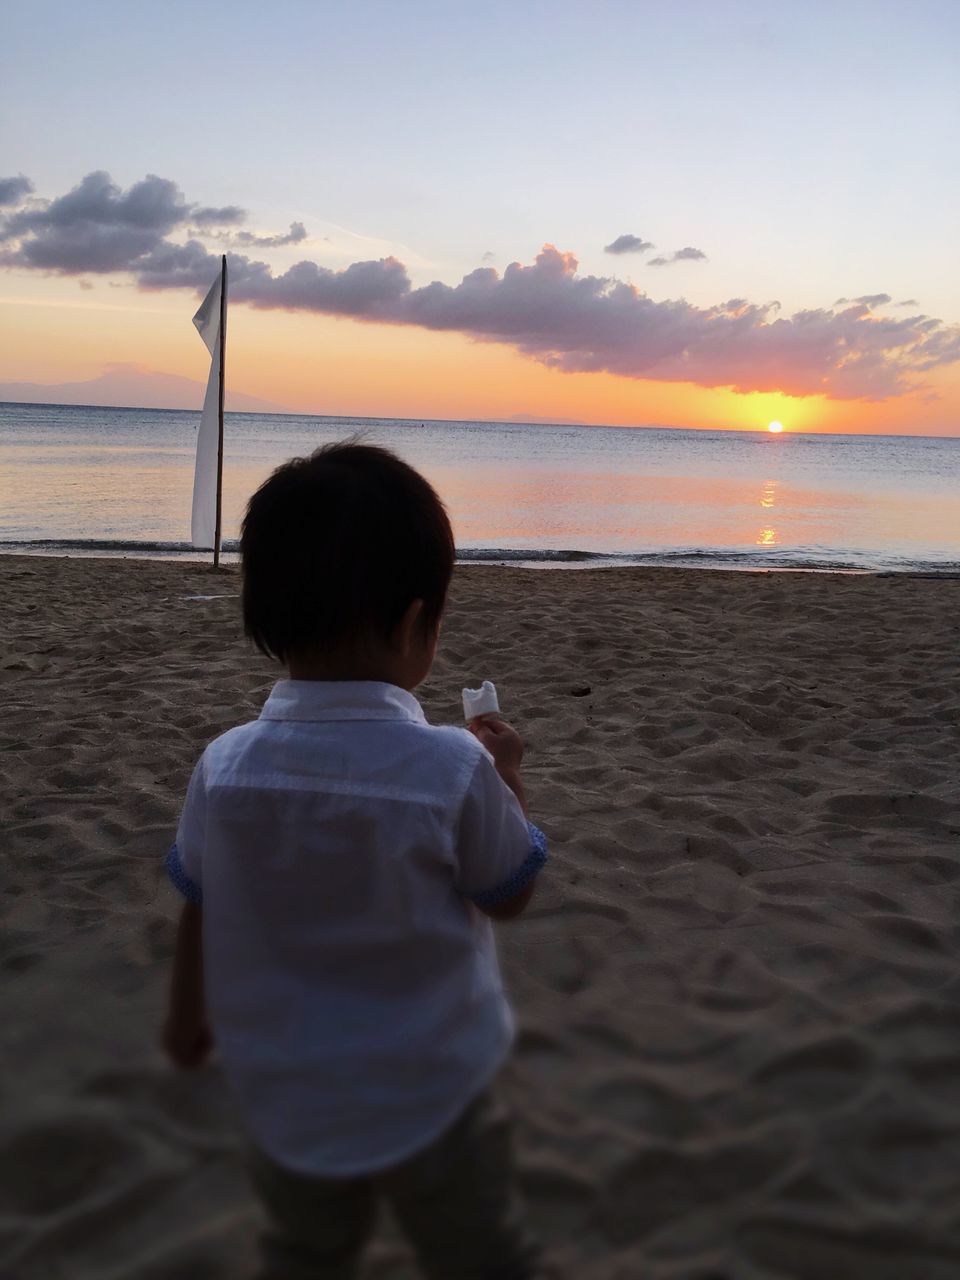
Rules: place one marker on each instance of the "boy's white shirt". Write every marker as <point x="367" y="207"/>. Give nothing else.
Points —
<point x="354" y="992"/>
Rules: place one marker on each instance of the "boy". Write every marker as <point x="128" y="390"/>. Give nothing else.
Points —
<point x="339" y="857"/>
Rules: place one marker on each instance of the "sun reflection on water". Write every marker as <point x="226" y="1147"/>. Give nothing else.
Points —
<point x="768" y="497"/>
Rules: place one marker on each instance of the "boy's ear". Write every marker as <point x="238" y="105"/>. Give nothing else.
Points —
<point x="407" y="628"/>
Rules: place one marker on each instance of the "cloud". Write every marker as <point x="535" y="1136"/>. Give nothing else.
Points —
<point x="489" y="256"/>
<point x="590" y="324"/>
<point x="688" y="254"/>
<point x="546" y="310"/>
<point x="628" y="244"/>
<point x="874" y="299"/>
<point x="13" y="190"/>
<point x="229" y="215"/>
<point x="296" y="233"/>
<point x="97" y="227"/>
<point x="908" y="302"/>
<point x="154" y="204"/>
<point x="364" y="290"/>
<point x="184" y="266"/>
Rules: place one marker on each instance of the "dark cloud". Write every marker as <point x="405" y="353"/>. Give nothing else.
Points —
<point x="13" y="190"/>
<point x="251" y="240"/>
<point x="154" y="204"/>
<point x="687" y="254"/>
<point x="546" y="310"/>
<point x="83" y="247"/>
<point x="96" y="227"/>
<point x="228" y="216"/>
<point x="364" y="290"/>
<point x="628" y="244"/>
<point x="908" y="302"/>
<point x="874" y="299"/>
<point x="180" y="266"/>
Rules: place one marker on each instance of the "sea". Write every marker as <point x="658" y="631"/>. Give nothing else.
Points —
<point x="83" y="480"/>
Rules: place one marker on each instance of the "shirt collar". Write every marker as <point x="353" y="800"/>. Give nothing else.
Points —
<point x="341" y="700"/>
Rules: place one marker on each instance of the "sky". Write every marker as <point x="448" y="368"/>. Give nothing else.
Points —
<point x="709" y="214"/>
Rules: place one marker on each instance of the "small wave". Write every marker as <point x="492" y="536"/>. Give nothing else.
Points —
<point x="800" y="559"/>
<point x="110" y="546"/>
<point x="544" y="555"/>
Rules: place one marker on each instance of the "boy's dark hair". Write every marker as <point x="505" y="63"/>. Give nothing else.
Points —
<point x="338" y="544"/>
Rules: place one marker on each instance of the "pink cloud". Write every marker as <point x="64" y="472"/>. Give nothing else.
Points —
<point x="547" y="310"/>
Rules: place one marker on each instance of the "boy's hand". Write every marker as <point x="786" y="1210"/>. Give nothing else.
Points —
<point x="186" y="1032"/>
<point x="502" y="741"/>
<point x="187" y="1042"/>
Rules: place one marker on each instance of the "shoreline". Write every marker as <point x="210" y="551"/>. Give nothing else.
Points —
<point x="735" y="988"/>
<point x="730" y="562"/>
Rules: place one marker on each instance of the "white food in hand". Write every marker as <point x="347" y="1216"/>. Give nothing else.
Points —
<point x="480" y="702"/>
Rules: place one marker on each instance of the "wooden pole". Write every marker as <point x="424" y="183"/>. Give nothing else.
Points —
<point x="223" y="356"/>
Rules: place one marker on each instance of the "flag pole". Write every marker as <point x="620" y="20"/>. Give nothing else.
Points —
<point x="223" y="354"/>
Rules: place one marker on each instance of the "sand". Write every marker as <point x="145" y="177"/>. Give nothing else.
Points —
<point x="737" y="986"/>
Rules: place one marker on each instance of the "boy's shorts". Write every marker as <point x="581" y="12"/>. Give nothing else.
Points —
<point x="456" y="1202"/>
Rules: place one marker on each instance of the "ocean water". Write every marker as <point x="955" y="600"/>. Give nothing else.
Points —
<point x="100" y="481"/>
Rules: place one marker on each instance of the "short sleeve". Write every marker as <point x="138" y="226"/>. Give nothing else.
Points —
<point x="185" y="859"/>
<point x="499" y="853"/>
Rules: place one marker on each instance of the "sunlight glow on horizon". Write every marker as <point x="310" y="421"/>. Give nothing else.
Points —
<point x="327" y="366"/>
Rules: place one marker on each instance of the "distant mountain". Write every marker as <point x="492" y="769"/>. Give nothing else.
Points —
<point x="132" y="386"/>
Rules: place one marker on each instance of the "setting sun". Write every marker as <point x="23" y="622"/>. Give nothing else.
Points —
<point x="775" y="427"/>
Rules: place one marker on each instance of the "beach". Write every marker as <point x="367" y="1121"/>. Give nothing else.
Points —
<point x="736" y="987"/>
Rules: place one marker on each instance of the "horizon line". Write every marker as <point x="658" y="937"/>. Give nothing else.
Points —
<point x="500" y="422"/>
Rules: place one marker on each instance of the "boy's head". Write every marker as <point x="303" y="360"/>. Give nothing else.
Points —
<point x="337" y="548"/>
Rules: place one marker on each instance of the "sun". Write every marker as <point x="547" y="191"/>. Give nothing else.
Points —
<point x="775" y="427"/>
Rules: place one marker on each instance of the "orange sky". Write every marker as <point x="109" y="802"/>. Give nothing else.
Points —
<point x="52" y="330"/>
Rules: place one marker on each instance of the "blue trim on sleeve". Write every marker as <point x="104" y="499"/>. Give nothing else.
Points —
<point x="179" y="878"/>
<point x="528" y="870"/>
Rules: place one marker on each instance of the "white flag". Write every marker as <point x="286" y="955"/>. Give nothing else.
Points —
<point x="204" y="521"/>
